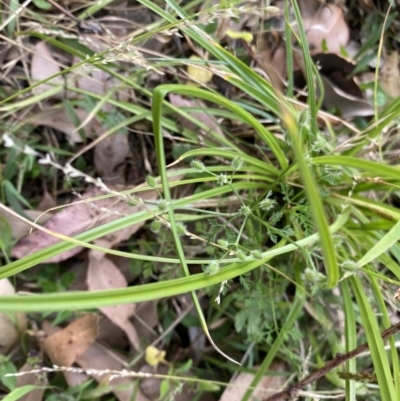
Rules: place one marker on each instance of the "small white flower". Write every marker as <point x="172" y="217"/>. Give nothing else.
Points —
<point x="8" y="141"/>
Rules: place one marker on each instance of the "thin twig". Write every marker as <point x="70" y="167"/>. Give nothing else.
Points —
<point x="335" y="362"/>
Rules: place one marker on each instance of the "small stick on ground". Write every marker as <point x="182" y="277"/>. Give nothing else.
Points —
<point x="292" y="391"/>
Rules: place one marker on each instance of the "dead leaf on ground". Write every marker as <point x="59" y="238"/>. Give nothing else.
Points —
<point x="339" y="71"/>
<point x="338" y="87"/>
<point x="102" y="275"/>
<point x="11" y="324"/>
<point x="270" y="58"/>
<point x="210" y="122"/>
<point x="389" y="75"/>
<point x="30" y="379"/>
<point x="60" y="120"/>
<point x="268" y="385"/>
<point x="146" y="318"/>
<point x="100" y="82"/>
<point x="109" y="157"/>
<point x="43" y="66"/>
<point x="66" y="345"/>
<point x="20" y="229"/>
<point x="98" y="357"/>
<point x="47" y="202"/>
<point x="111" y="334"/>
<point x="349" y="106"/>
<point x="326" y="28"/>
<point x="151" y="385"/>
<point x="78" y="218"/>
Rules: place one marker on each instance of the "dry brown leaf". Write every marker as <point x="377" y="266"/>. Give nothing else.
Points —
<point x="146" y="317"/>
<point x="60" y="120"/>
<point x="11" y="324"/>
<point x="78" y="218"/>
<point x="389" y="75"/>
<point x="181" y="102"/>
<point x="43" y="66"/>
<point x="30" y="379"/>
<point x="112" y="335"/>
<point x="47" y="202"/>
<point x="66" y="345"/>
<point x="349" y="106"/>
<point x="97" y="357"/>
<point x="271" y="59"/>
<point x="95" y="83"/>
<point x="100" y="82"/>
<point x="102" y="275"/>
<point x="151" y="385"/>
<point x="339" y="71"/>
<point x="20" y="229"/>
<point x="335" y="97"/>
<point x="109" y="157"/>
<point x="326" y="25"/>
<point x="267" y="386"/>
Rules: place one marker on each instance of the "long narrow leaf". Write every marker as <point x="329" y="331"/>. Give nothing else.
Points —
<point x="375" y="342"/>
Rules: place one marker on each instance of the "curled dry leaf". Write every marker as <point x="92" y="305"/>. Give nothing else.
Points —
<point x="327" y="26"/>
<point x="340" y="91"/>
<point x="43" y="66"/>
<point x="66" y="345"/>
<point x="267" y="386"/>
<point x="349" y="106"/>
<point x="102" y="275"/>
<point x="11" y="324"/>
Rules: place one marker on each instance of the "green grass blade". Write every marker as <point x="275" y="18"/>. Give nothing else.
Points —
<point x="382" y="246"/>
<point x="386" y="323"/>
<point x="314" y="199"/>
<point x="161" y="91"/>
<point x="375" y="342"/>
<point x="351" y="338"/>
<point x="146" y="292"/>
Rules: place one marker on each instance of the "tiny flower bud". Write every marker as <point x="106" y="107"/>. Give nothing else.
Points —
<point x="222" y="179"/>
<point x="151" y="181"/>
<point x="163" y="205"/>
<point x="237" y="163"/>
<point x="181" y="228"/>
<point x="240" y="255"/>
<point x="223" y="243"/>
<point x="155" y="226"/>
<point x="212" y="268"/>
<point x="256" y="254"/>
<point x="197" y="165"/>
